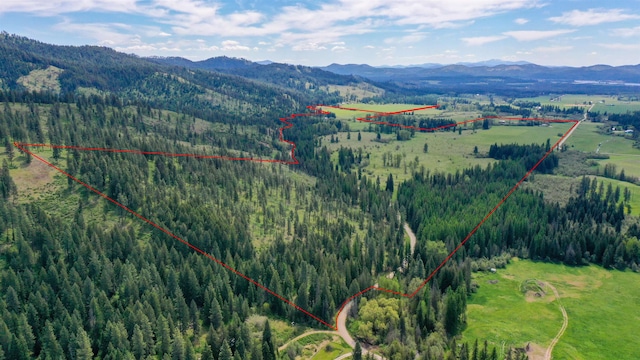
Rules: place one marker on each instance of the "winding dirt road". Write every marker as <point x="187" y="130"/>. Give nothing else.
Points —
<point x="283" y="347"/>
<point x="584" y="118"/>
<point x="565" y="323"/>
<point x="412" y="237"/>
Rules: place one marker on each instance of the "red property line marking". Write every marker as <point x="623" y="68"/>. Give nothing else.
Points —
<point x="316" y="110"/>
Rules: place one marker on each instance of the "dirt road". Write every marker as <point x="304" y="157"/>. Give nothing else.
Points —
<point x="565" y="323"/>
<point x="344" y="333"/>
<point x="412" y="237"/>
<point x="584" y="117"/>
<point x="281" y="348"/>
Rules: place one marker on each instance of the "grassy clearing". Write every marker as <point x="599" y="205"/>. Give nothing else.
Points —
<point x="317" y="346"/>
<point x="587" y="137"/>
<point x="42" y="80"/>
<point x="617" y="108"/>
<point x="602" y="103"/>
<point x="574" y="100"/>
<point x="602" y="307"/>
<point x="354" y="125"/>
<point x="620" y="149"/>
<point x="282" y="330"/>
<point x="630" y="163"/>
<point x="556" y="188"/>
<point x="634" y="189"/>
<point x="36" y="179"/>
<point x="298" y="203"/>
<point x="355" y="91"/>
<point x="333" y="349"/>
<point x="447" y="151"/>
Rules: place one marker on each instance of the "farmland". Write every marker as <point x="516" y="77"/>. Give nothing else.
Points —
<point x="598" y="302"/>
<point x="447" y="151"/>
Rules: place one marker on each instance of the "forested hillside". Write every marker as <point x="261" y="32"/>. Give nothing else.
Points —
<point x="301" y="78"/>
<point x="108" y="285"/>
<point x="83" y="278"/>
<point x="206" y="94"/>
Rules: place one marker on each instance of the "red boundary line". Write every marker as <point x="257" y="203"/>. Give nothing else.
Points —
<point x="316" y="110"/>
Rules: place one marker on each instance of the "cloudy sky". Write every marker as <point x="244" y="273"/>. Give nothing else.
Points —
<point x="376" y="32"/>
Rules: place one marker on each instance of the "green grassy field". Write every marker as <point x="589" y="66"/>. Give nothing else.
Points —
<point x="42" y="80"/>
<point x="620" y="149"/>
<point x="332" y="350"/>
<point x="602" y="307"/>
<point x="634" y="189"/>
<point x="316" y="346"/>
<point x="447" y="151"/>
<point x="617" y="108"/>
<point x="350" y="116"/>
<point x="575" y="99"/>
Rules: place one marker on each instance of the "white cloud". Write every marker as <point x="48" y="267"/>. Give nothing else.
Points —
<point x="481" y="40"/>
<point x="308" y="47"/>
<point x="56" y="7"/>
<point x="593" y="17"/>
<point x="339" y="48"/>
<point x="520" y="21"/>
<point x="107" y="34"/>
<point x="551" y="49"/>
<point x="232" y="45"/>
<point x="531" y="35"/>
<point x="298" y="26"/>
<point x="626" y="32"/>
<point x="407" y="39"/>
<point x="619" y="46"/>
<point x="369" y="47"/>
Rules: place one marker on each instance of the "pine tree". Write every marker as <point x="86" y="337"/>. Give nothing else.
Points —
<point x="83" y="346"/>
<point x="389" y="187"/>
<point x="137" y="343"/>
<point x="484" y="355"/>
<point x="494" y="355"/>
<point x="474" y="352"/>
<point x="268" y="350"/>
<point x="178" y="351"/>
<point x="207" y="354"/>
<point x="215" y="314"/>
<point x="9" y="150"/>
<point x="50" y="347"/>
<point x="164" y="334"/>
<point x="225" y="351"/>
<point x="357" y="352"/>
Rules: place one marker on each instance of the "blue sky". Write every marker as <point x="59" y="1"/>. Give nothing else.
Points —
<point x="376" y="32"/>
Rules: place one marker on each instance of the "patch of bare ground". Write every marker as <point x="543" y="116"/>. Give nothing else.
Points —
<point x="535" y="351"/>
<point x="32" y="179"/>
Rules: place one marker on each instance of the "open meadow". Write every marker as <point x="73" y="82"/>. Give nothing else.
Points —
<point x="447" y="151"/>
<point x="602" y="308"/>
<point x="588" y="138"/>
<point x="602" y="103"/>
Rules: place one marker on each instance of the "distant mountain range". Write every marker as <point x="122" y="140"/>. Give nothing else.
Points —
<point x="105" y="70"/>
<point x="492" y="62"/>
<point x="291" y="76"/>
<point x="522" y="71"/>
